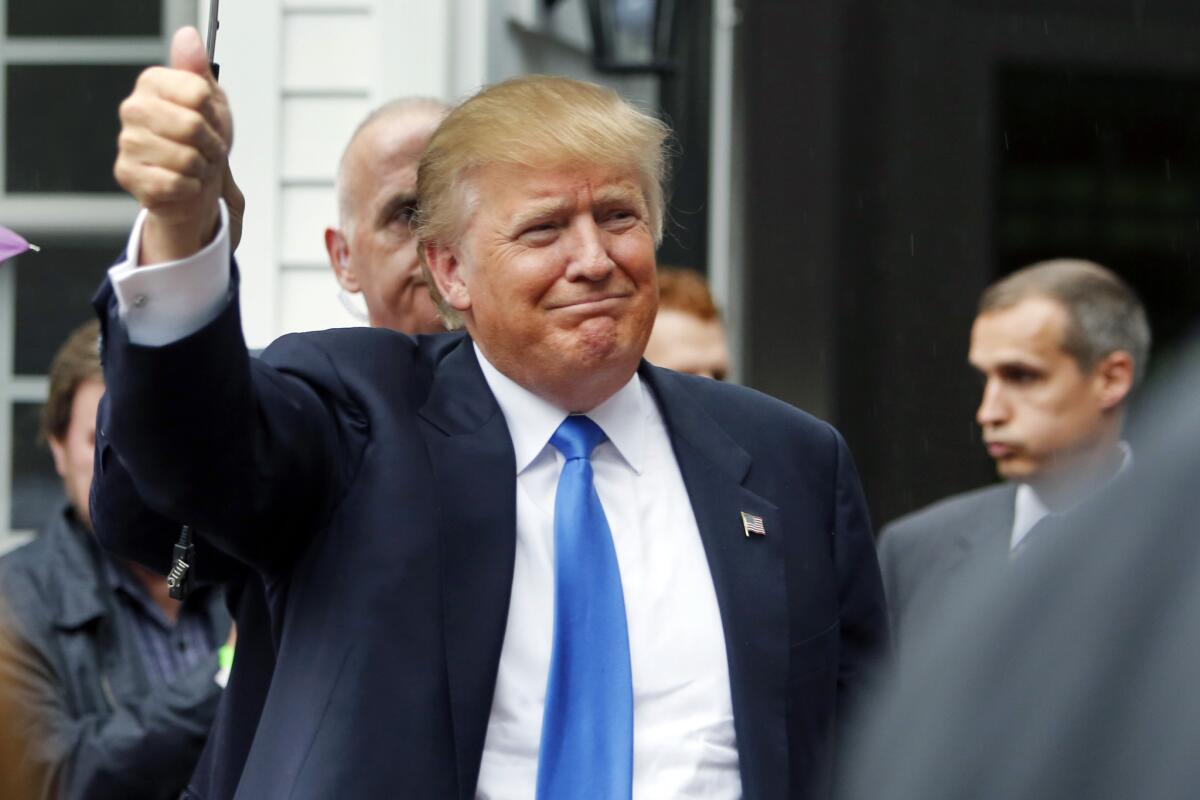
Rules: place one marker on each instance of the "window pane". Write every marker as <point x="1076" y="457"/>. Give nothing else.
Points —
<point x="37" y="489"/>
<point x="84" y="18"/>
<point x="61" y="125"/>
<point x="54" y="289"/>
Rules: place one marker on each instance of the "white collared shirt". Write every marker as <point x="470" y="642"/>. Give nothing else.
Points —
<point x="1029" y="508"/>
<point x="684" y="742"/>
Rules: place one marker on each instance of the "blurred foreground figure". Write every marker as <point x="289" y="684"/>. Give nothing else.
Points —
<point x="374" y="248"/>
<point x="16" y="772"/>
<point x="116" y="680"/>
<point x="482" y="551"/>
<point x="1073" y="677"/>
<point x="1059" y="346"/>
<point x="688" y="334"/>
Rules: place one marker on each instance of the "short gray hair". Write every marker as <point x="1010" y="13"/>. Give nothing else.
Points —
<point x="1104" y="314"/>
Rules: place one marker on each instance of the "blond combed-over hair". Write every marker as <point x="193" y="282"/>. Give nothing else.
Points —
<point x="535" y="121"/>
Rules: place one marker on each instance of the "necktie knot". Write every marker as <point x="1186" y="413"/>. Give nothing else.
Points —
<point x="577" y="437"/>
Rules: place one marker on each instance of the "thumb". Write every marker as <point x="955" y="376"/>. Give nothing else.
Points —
<point x="187" y="52"/>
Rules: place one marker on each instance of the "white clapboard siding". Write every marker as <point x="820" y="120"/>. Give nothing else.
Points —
<point x="325" y="5"/>
<point x="317" y="130"/>
<point x="304" y="213"/>
<point x="330" y="80"/>
<point x="330" y="51"/>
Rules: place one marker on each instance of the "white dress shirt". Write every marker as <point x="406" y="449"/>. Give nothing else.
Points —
<point x="684" y="742"/>
<point x="1029" y="507"/>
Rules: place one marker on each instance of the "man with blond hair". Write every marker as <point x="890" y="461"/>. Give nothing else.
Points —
<point x="1059" y="345"/>
<point x="509" y="562"/>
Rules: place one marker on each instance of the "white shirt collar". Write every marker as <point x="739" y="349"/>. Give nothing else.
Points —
<point x="533" y="420"/>
<point x="1028" y="511"/>
<point x="1030" y="508"/>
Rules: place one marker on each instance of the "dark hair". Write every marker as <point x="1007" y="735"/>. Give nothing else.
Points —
<point x="77" y="361"/>
<point x="1104" y="315"/>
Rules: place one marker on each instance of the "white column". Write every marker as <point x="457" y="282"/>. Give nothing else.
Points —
<point x="725" y="267"/>
<point x="249" y="52"/>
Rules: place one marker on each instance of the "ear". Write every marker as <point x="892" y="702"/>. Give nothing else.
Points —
<point x="339" y="259"/>
<point x="1114" y="378"/>
<point x="59" y="451"/>
<point x="446" y="267"/>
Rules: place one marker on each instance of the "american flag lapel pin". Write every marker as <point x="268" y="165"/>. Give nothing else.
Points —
<point x="753" y="524"/>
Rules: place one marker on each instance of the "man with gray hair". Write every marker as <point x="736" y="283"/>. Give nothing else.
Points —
<point x="1059" y="345"/>
<point x="374" y="248"/>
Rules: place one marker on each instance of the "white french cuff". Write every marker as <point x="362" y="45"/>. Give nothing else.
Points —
<point x="163" y="303"/>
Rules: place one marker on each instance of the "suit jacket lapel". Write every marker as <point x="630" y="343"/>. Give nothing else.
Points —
<point x="990" y="537"/>
<point x="475" y="475"/>
<point x="748" y="576"/>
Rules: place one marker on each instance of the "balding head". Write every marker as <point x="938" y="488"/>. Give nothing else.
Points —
<point x="394" y="126"/>
<point x="373" y="250"/>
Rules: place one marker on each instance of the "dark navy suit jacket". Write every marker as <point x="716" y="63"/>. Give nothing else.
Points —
<point x="357" y="489"/>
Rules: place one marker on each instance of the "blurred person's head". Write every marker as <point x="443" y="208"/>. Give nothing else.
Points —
<point x="1060" y="345"/>
<point x="541" y="204"/>
<point x="69" y="416"/>
<point x="688" y="334"/>
<point x="374" y="248"/>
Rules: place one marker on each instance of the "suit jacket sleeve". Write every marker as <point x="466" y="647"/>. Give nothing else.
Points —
<point x="253" y="456"/>
<point x="865" y="639"/>
<point x="142" y="534"/>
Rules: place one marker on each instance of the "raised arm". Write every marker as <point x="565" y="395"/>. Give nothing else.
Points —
<point x="251" y="456"/>
<point x="173" y="150"/>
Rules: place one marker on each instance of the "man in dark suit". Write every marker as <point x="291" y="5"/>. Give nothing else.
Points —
<point x="1060" y="345"/>
<point x="482" y="553"/>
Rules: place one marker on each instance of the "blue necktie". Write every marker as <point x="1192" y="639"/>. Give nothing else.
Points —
<point x="587" y="727"/>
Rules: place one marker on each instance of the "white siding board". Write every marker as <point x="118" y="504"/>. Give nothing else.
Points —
<point x="305" y="213"/>
<point x="414" y="54"/>
<point x="317" y="131"/>
<point x="329" y="51"/>
<point x="327" y="5"/>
